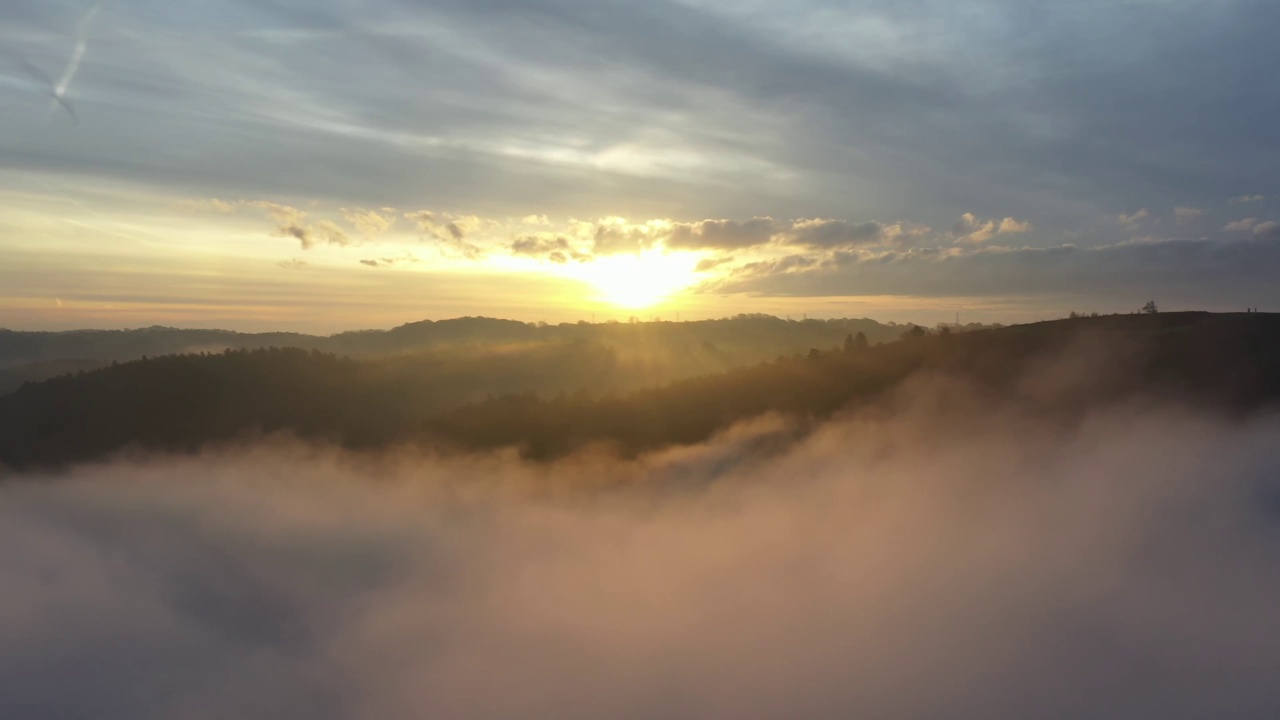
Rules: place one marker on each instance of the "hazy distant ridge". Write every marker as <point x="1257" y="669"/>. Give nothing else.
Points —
<point x="554" y="398"/>
<point x="746" y="338"/>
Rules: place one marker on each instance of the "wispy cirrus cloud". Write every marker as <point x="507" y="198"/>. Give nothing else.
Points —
<point x="1134" y="219"/>
<point x="766" y="110"/>
<point x="1193" y="273"/>
<point x="732" y="122"/>
<point x="1184" y="215"/>
<point x="1242" y="199"/>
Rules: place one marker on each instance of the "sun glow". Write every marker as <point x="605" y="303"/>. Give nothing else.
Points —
<point x="638" y="280"/>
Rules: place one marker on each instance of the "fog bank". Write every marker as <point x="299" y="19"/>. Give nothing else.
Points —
<point x="937" y="559"/>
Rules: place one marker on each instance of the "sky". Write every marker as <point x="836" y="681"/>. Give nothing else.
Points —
<point x="322" y="165"/>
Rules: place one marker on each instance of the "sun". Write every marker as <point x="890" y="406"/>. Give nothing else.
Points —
<point x="639" y="280"/>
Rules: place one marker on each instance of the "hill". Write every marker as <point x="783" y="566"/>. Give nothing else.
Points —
<point x="564" y="398"/>
<point x="1062" y="367"/>
<point x="34" y="356"/>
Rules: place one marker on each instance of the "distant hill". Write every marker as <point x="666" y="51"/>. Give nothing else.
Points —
<point x="1225" y="362"/>
<point x="20" y="348"/>
<point x="13" y="377"/>
<point x="564" y="395"/>
<point x="745" y="339"/>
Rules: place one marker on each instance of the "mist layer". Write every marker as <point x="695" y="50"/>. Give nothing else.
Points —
<point x="905" y="562"/>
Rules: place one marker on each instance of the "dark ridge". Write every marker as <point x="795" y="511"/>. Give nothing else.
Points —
<point x="755" y="333"/>
<point x="551" y="400"/>
<point x="1223" y="362"/>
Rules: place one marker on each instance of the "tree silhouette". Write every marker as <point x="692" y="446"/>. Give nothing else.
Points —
<point x="553" y="400"/>
<point x="1150" y="308"/>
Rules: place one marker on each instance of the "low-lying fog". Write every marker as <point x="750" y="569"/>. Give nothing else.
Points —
<point x="943" y="558"/>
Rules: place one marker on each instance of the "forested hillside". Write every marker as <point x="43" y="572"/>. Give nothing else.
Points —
<point x="667" y="348"/>
<point x="565" y="396"/>
<point x="1062" y="367"/>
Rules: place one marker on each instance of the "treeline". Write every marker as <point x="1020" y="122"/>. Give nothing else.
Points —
<point x="666" y="346"/>
<point x="177" y="402"/>
<point x="1063" y="367"/>
<point x="181" y="402"/>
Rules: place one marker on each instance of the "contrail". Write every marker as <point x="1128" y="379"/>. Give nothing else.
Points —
<point x="41" y="77"/>
<point x="73" y="65"/>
